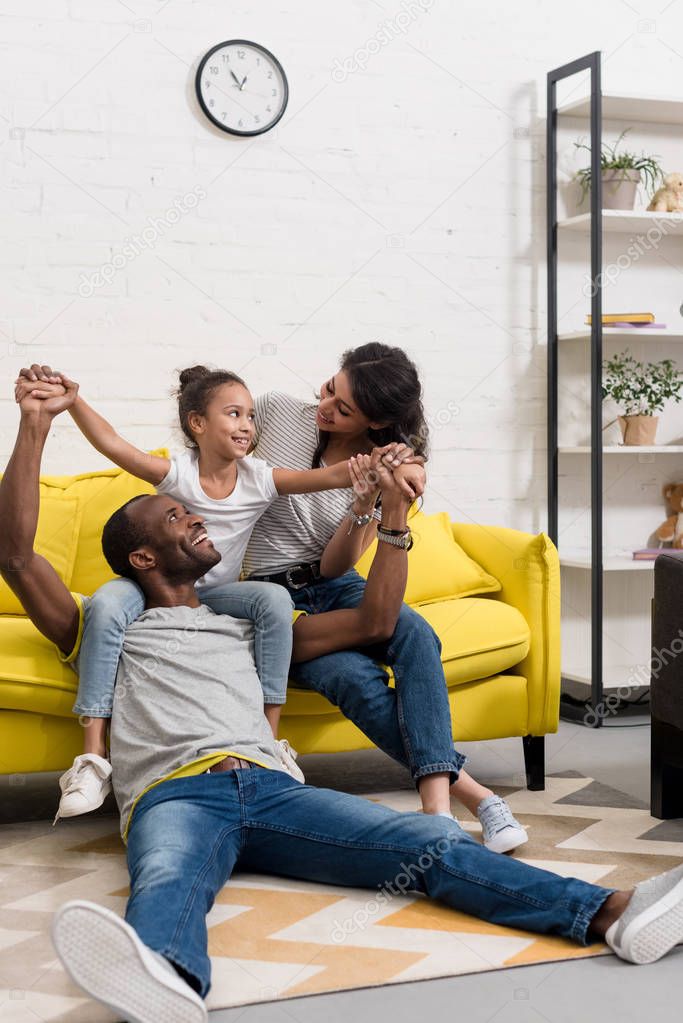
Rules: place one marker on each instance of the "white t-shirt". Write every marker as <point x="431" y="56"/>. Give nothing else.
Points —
<point x="296" y="527"/>
<point x="229" y="520"/>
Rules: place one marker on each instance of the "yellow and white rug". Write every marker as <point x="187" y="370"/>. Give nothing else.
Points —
<point x="271" y="938"/>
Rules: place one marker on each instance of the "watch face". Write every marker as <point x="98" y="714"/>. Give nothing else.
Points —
<point x="241" y="87"/>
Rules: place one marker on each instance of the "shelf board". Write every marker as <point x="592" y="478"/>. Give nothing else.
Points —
<point x="611" y="562"/>
<point x="625" y="221"/>
<point x="613" y="677"/>
<point x="627" y="449"/>
<point x="622" y="334"/>
<point x="616" y="107"/>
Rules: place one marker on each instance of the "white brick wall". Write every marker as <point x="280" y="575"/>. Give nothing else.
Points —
<point x="404" y="203"/>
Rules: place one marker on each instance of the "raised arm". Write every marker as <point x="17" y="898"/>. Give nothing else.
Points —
<point x="44" y="596"/>
<point x="97" y="430"/>
<point x="374" y="620"/>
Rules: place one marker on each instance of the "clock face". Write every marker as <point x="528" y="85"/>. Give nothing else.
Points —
<point x="241" y="87"/>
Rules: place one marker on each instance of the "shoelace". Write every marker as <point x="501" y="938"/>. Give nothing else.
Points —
<point x="74" y="772"/>
<point x="286" y="748"/>
<point x="496" y="817"/>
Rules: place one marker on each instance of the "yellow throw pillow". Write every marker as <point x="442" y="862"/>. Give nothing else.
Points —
<point x="438" y="567"/>
<point x="100" y="494"/>
<point x="59" y="520"/>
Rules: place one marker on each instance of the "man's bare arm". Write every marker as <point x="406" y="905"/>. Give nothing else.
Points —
<point x="44" y="596"/>
<point x="374" y="620"/>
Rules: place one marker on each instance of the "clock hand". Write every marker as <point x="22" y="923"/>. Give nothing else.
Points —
<point x="242" y="85"/>
<point x="236" y="79"/>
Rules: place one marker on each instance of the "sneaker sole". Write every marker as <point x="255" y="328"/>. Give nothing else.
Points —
<point x="106" y="959"/>
<point x="656" y="930"/>
<point x="502" y="843"/>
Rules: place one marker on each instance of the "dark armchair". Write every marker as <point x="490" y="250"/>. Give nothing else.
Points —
<point x="666" y="689"/>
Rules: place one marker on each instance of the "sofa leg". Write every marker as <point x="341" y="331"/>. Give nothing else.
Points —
<point x="666" y="771"/>
<point x="534" y="761"/>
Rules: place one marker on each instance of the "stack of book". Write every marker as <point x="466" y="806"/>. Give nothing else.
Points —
<point x="650" y="553"/>
<point x="624" y="321"/>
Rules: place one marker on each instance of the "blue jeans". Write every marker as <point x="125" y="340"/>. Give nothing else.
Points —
<point x="188" y="835"/>
<point x="412" y="722"/>
<point x="119" y="602"/>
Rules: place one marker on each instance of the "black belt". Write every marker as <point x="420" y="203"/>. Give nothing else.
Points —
<point x="294" y="578"/>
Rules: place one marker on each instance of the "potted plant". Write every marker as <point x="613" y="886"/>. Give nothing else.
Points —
<point x="639" y="390"/>
<point x="621" y="175"/>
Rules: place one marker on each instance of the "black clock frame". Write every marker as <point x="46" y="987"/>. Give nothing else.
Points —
<point x="197" y="85"/>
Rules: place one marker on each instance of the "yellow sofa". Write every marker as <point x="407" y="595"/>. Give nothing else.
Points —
<point x="491" y="594"/>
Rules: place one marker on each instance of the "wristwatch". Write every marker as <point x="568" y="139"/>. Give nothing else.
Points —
<point x="404" y="540"/>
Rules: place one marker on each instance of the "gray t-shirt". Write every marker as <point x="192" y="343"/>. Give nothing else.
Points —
<point x="186" y="687"/>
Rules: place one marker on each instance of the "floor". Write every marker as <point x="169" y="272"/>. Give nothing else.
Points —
<point x="599" y="989"/>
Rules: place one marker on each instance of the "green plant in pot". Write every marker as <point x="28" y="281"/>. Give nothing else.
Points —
<point x="639" y="390"/>
<point x="622" y="172"/>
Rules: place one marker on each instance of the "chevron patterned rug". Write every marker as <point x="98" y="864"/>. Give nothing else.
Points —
<point x="271" y="939"/>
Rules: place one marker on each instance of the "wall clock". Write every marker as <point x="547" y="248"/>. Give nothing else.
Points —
<point x="241" y="87"/>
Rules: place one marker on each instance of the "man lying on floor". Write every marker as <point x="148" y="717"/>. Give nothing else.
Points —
<point x="201" y="790"/>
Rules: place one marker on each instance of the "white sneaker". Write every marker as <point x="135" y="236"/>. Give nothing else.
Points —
<point x="652" y="923"/>
<point x="500" y="831"/>
<point x="104" y="956"/>
<point x="288" y="757"/>
<point x="85" y="786"/>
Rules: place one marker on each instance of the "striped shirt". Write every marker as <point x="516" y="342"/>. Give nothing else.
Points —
<point x="296" y="527"/>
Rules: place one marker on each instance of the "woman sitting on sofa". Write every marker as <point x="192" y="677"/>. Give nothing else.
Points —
<point x="309" y="543"/>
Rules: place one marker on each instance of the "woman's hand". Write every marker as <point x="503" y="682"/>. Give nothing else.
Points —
<point x="365" y="483"/>
<point x="371" y="474"/>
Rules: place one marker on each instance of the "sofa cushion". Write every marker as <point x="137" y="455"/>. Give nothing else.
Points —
<point x="438" y="567"/>
<point x="480" y="637"/>
<point x="33" y="677"/>
<point x="59" y="520"/>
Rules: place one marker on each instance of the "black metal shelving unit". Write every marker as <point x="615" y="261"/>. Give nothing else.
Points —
<point x="590" y="63"/>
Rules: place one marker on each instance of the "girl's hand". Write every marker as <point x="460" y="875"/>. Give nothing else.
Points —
<point x="393" y="455"/>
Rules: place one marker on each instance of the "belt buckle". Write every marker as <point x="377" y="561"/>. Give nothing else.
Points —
<point x="289" y="576"/>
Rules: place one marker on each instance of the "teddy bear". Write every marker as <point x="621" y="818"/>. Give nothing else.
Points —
<point x="669" y="199"/>
<point x="671" y="531"/>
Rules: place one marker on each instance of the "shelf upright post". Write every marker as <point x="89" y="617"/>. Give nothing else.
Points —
<point x="591" y="63"/>
<point x="596" y="392"/>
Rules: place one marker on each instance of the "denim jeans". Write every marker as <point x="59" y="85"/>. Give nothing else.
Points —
<point x="412" y="722"/>
<point x="188" y="835"/>
<point x="119" y="602"/>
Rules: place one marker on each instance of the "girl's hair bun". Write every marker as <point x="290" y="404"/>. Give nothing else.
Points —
<point x="191" y="375"/>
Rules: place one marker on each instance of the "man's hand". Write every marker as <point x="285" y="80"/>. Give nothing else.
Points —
<point x="413" y="475"/>
<point x="44" y="374"/>
<point x="48" y="396"/>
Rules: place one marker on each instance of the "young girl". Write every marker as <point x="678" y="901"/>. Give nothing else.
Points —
<point x="214" y="479"/>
